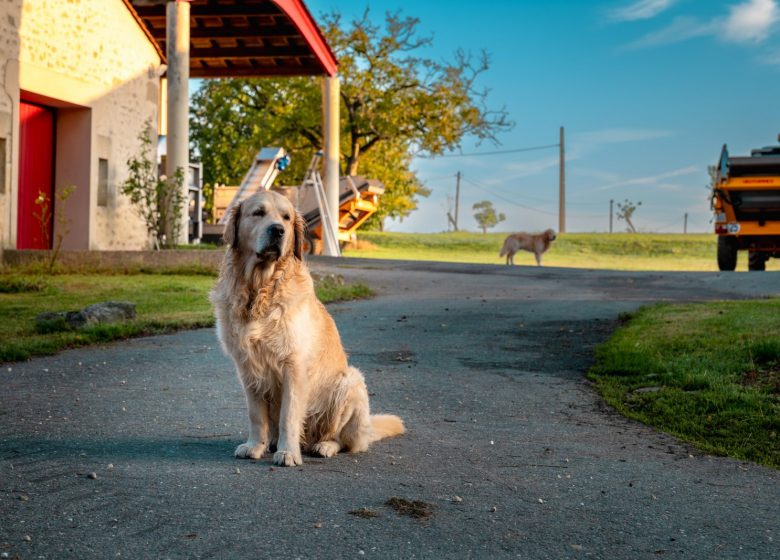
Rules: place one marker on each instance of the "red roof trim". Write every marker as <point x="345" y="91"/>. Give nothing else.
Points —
<point x="301" y="17"/>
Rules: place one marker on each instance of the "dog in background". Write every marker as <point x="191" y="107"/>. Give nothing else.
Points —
<point x="300" y="391"/>
<point x="536" y="243"/>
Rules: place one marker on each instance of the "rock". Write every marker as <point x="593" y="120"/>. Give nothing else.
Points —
<point x="97" y="313"/>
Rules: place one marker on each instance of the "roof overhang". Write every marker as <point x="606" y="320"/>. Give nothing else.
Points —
<point x="233" y="38"/>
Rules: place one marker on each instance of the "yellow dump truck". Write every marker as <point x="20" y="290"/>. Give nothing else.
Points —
<point x="746" y="204"/>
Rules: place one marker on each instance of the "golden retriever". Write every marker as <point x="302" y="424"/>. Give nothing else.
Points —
<point x="536" y="243"/>
<point x="300" y="391"/>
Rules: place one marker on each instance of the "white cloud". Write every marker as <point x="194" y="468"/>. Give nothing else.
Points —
<point x="681" y="29"/>
<point x="771" y="58"/>
<point x="657" y="181"/>
<point x="751" y="21"/>
<point x="641" y="9"/>
<point x="748" y="22"/>
<point x="620" y="135"/>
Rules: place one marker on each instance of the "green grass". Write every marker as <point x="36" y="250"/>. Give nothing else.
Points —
<point x="708" y="373"/>
<point x="164" y="303"/>
<point x="619" y="251"/>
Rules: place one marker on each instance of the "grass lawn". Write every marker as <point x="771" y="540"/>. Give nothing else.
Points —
<point x="164" y="303"/>
<point x="619" y="251"/>
<point x="708" y="373"/>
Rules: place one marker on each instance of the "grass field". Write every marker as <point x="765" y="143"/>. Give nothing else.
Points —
<point x="708" y="373"/>
<point x="164" y="303"/>
<point x="619" y="251"/>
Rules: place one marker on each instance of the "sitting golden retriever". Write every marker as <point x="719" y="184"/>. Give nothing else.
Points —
<point x="536" y="243"/>
<point x="285" y="346"/>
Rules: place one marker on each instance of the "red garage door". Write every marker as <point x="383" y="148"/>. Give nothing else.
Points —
<point x="36" y="165"/>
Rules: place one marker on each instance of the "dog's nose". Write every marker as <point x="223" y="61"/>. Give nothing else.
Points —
<point x="275" y="231"/>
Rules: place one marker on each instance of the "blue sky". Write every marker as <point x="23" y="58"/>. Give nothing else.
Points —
<point x="647" y="90"/>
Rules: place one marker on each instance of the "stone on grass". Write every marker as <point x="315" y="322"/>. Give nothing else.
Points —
<point x="95" y="314"/>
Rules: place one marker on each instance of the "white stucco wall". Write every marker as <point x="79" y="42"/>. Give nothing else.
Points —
<point x="82" y="55"/>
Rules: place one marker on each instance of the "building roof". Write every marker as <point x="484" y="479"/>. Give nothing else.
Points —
<point x="231" y="38"/>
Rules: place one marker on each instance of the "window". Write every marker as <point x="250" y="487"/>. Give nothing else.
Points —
<point x="102" y="189"/>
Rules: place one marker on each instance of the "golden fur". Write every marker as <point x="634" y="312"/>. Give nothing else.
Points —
<point x="300" y="391"/>
<point x="536" y="243"/>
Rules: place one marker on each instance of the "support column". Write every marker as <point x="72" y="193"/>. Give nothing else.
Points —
<point x="562" y="187"/>
<point x="331" y="102"/>
<point x="177" y="37"/>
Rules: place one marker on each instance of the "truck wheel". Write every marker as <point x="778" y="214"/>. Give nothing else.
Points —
<point x="756" y="260"/>
<point x="727" y="252"/>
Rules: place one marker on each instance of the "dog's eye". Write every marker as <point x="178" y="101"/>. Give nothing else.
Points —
<point x="259" y="212"/>
<point x="287" y="217"/>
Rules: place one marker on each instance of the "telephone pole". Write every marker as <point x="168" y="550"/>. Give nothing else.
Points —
<point x="562" y="188"/>
<point x="685" y="223"/>
<point x="450" y="219"/>
<point x="610" y="214"/>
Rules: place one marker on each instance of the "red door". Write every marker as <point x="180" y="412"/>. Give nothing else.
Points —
<point x="36" y="166"/>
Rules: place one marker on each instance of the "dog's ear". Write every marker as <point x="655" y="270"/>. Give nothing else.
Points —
<point x="300" y="234"/>
<point x="230" y="236"/>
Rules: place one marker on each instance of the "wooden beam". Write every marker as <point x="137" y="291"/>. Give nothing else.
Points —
<point x="234" y="32"/>
<point x="215" y="10"/>
<point x="244" y="53"/>
<point x="307" y="69"/>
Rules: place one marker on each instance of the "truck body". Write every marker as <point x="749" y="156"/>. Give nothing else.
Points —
<point x="746" y="206"/>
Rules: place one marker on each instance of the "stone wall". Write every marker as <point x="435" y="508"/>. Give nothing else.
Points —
<point x="84" y="55"/>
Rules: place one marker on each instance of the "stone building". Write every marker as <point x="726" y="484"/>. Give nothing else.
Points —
<point x="82" y="78"/>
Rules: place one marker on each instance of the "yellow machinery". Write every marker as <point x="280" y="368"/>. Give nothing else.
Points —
<point x="746" y="203"/>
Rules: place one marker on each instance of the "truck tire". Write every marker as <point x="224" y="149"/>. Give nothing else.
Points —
<point x="727" y="252"/>
<point x="756" y="260"/>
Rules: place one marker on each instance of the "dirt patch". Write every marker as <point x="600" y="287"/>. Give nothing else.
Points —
<point x="416" y="508"/>
<point x="365" y="513"/>
<point x="768" y="378"/>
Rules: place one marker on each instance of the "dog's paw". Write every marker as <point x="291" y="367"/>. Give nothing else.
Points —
<point x="287" y="458"/>
<point x="250" y="450"/>
<point x="326" y="448"/>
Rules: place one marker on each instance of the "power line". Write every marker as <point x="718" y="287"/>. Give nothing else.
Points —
<point x="495" y="153"/>
<point x="493" y="193"/>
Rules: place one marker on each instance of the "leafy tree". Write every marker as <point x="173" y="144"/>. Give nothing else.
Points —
<point x="159" y="201"/>
<point x="394" y="104"/>
<point x="486" y="215"/>
<point x="626" y="211"/>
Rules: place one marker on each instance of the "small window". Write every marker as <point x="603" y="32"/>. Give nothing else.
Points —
<point x="2" y="165"/>
<point x="102" y="192"/>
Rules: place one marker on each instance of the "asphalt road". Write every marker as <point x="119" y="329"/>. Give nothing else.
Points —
<point x="125" y="450"/>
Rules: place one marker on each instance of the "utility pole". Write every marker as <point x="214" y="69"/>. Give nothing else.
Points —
<point x="685" y="223"/>
<point x="610" y="214"/>
<point x="450" y="219"/>
<point x="562" y="189"/>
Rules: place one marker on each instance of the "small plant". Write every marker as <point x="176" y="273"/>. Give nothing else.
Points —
<point x="625" y="211"/>
<point x="44" y="215"/>
<point x="486" y="215"/>
<point x="158" y="200"/>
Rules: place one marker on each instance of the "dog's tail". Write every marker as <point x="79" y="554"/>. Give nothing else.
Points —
<point x="386" y="425"/>
<point x="504" y="248"/>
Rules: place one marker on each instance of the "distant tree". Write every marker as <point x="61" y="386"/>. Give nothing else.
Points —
<point x="395" y="104"/>
<point x="626" y="211"/>
<point x="486" y="215"/>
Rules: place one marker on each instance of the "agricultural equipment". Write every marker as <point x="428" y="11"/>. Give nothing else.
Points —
<point x="746" y="203"/>
<point x="358" y="200"/>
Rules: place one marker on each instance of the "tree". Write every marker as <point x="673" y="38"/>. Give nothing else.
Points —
<point x="625" y="211"/>
<point x="158" y="200"/>
<point x="395" y="104"/>
<point x="486" y="215"/>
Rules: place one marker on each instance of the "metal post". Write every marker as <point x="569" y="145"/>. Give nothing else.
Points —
<point x="330" y="134"/>
<point x="177" y="37"/>
<point x="562" y="188"/>
<point x="457" y="198"/>
<point x="685" y="224"/>
<point x="610" y="214"/>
